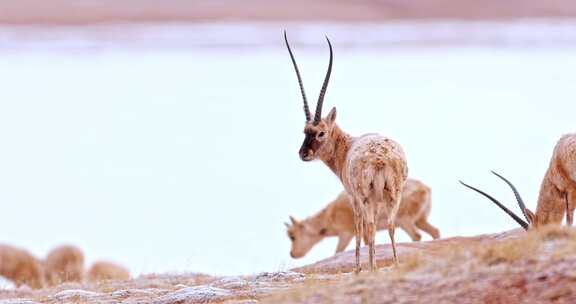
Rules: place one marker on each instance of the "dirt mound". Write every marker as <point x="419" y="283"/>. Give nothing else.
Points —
<point x="344" y="262"/>
<point x="513" y="267"/>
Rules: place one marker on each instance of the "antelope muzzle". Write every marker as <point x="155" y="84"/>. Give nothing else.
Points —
<point x="307" y="150"/>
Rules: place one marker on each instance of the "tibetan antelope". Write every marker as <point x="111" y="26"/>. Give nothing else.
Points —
<point x="64" y="264"/>
<point x="557" y="192"/>
<point x="21" y="267"/>
<point x="337" y="219"/>
<point x="103" y="271"/>
<point x="372" y="168"/>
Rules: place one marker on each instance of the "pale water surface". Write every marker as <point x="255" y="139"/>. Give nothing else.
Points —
<point x="181" y="158"/>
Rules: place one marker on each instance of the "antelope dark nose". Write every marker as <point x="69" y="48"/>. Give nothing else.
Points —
<point x="305" y="155"/>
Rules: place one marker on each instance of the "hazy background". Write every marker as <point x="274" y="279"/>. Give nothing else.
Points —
<point x="168" y="143"/>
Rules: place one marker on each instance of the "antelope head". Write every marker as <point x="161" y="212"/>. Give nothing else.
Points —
<point x="531" y="220"/>
<point x="317" y="129"/>
<point x="303" y="235"/>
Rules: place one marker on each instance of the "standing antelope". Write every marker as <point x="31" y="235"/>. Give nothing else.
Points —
<point x="557" y="192"/>
<point x="372" y="168"/>
<point x="337" y="219"/>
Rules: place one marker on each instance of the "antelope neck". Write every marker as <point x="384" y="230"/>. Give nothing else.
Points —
<point x="341" y="143"/>
<point x="321" y="220"/>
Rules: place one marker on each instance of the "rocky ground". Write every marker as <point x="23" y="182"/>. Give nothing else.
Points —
<point x="510" y="267"/>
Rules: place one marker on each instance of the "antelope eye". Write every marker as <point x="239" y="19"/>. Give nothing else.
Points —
<point x="292" y="238"/>
<point x="321" y="134"/>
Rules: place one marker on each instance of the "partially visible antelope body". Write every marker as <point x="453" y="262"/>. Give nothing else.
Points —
<point x="103" y="270"/>
<point x="557" y="192"/>
<point x="64" y="264"/>
<point x="337" y="219"/>
<point x="21" y="267"/>
<point x="372" y="168"/>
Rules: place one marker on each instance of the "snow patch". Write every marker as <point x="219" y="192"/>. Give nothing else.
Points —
<point x="231" y="283"/>
<point x="280" y="276"/>
<point x="75" y="294"/>
<point x="131" y="293"/>
<point x="202" y="293"/>
<point x="17" y="301"/>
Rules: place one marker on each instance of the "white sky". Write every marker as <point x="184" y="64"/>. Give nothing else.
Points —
<point x="186" y="160"/>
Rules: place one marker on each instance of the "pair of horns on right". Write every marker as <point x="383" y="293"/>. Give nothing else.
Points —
<point x="519" y="199"/>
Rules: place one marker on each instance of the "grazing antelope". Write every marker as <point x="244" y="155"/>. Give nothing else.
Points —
<point x="21" y="267"/>
<point x="103" y="271"/>
<point x="557" y="192"/>
<point x="372" y="168"/>
<point x="64" y="264"/>
<point x="337" y="219"/>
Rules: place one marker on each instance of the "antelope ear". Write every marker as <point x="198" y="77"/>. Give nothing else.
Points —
<point x="531" y="217"/>
<point x="331" y="118"/>
<point x="293" y="220"/>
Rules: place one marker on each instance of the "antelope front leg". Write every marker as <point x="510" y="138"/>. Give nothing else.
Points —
<point x="570" y="205"/>
<point x="423" y="224"/>
<point x="343" y="241"/>
<point x="410" y="229"/>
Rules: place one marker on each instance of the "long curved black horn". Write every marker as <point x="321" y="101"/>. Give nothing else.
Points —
<point x="510" y="213"/>
<point x="516" y="194"/>
<point x="318" y="114"/>
<point x="306" y="108"/>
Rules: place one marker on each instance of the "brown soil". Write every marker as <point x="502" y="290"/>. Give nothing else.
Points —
<point x="105" y="11"/>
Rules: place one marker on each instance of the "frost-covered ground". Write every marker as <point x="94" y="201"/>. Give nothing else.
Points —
<point x="508" y="267"/>
<point x="175" y="148"/>
<point x="530" y="33"/>
<point x="168" y="289"/>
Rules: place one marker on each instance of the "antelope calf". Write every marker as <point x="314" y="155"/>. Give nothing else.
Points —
<point x="102" y="270"/>
<point x="557" y="192"/>
<point x="64" y="264"/>
<point x="337" y="219"/>
<point x="372" y="168"/>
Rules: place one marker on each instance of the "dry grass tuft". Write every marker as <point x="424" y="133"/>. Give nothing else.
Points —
<point x="552" y="232"/>
<point x="508" y="251"/>
<point x="409" y="263"/>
